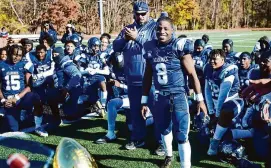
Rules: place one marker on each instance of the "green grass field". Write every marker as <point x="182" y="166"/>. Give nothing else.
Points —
<point x="114" y="154"/>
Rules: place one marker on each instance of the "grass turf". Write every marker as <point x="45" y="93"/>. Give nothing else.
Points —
<point x="108" y="155"/>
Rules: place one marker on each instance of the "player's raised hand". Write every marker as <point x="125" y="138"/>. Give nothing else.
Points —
<point x="131" y="33"/>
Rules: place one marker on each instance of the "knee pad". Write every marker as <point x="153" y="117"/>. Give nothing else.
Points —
<point x="182" y="142"/>
<point x="225" y="118"/>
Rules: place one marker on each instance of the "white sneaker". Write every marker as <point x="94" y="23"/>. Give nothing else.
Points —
<point x="41" y="132"/>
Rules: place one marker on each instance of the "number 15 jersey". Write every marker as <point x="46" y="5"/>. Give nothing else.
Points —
<point x="165" y="60"/>
<point x="13" y="77"/>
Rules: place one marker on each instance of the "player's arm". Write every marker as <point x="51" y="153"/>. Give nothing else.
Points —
<point x="2" y="98"/>
<point x="120" y="85"/>
<point x="27" y="86"/>
<point x="120" y="42"/>
<point x="188" y="64"/>
<point x="208" y="97"/>
<point x="104" y="71"/>
<point x="74" y="76"/>
<point x="147" y="83"/>
<point x="49" y="72"/>
<point x="224" y="90"/>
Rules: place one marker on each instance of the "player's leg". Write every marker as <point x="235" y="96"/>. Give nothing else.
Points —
<point x="163" y="109"/>
<point x="229" y="110"/>
<point x="138" y="123"/>
<point x="181" y="125"/>
<point x="30" y="100"/>
<point x="112" y="109"/>
<point x="11" y="120"/>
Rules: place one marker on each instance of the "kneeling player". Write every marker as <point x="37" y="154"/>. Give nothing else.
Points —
<point x="221" y="93"/>
<point x="93" y="68"/>
<point x="166" y="59"/>
<point x="15" y="93"/>
<point x="67" y="82"/>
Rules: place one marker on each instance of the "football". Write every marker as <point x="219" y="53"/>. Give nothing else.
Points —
<point x="70" y="154"/>
<point x="18" y="160"/>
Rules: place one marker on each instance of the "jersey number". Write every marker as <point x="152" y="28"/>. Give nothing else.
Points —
<point x="94" y="66"/>
<point x="13" y="82"/>
<point x="43" y="68"/>
<point x="215" y="89"/>
<point x="161" y="69"/>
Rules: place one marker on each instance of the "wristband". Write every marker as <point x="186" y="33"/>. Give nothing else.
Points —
<point x="3" y="100"/>
<point x="17" y="97"/>
<point x="121" y="85"/>
<point x="199" y="97"/>
<point x="144" y="99"/>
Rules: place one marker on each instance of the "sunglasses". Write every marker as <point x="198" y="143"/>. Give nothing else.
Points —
<point x="141" y="14"/>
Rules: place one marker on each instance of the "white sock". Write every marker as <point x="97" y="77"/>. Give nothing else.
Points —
<point x="167" y="143"/>
<point x="103" y="98"/>
<point x="111" y="134"/>
<point x="219" y="132"/>
<point x="185" y="154"/>
<point x="38" y="121"/>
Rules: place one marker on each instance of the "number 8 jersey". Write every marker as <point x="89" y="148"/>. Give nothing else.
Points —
<point x="166" y="64"/>
<point x="13" y="77"/>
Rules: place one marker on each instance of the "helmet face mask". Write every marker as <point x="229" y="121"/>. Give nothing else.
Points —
<point x="75" y="39"/>
<point x="94" y="45"/>
<point x="231" y="151"/>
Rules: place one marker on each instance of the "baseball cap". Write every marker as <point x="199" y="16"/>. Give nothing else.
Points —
<point x="141" y="7"/>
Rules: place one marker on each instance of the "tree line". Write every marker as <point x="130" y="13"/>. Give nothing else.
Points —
<point x="27" y="15"/>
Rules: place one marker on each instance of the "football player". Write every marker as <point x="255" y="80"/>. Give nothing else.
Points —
<point x="221" y="93"/>
<point x="67" y="82"/>
<point x="48" y="29"/>
<point x="244" y="67"/>
<point x="205" y="38"/>
<point x="15" y="92"/>
<point x="72" y="48"/>
<point x="200" y="56"/>
<point x="231" y="56"/>
<point x="168" y="61"/>
<point x="93" y="68"/>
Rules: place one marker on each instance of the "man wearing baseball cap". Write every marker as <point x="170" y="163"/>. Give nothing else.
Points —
<point x="130" y="41"/>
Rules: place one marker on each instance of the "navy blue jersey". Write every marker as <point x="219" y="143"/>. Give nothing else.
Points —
<point x="201" y="60"/>
<point x="133" y="51"/>
<point x="75" y="55"/>
<point x="221" y="85"/>
<point x="232" y="58"/>
<point x="93" y="62"/>
<point x="41" y="66"/>
<point x="243" y="75"/>
<point x="166" y="65"/>
<point x="67" y="75"/>
<point x="13" y="77"/>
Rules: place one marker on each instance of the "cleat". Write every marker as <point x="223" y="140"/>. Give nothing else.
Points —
<point x="160" y="151"/>
<point x="134" y="144"/>
<point x="41" y="132"/>
<point x="105" y="140"/>
<point x="167" y="162"/>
